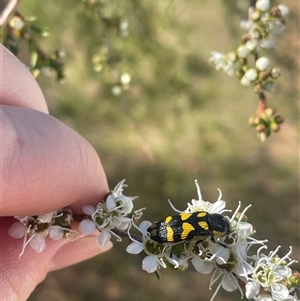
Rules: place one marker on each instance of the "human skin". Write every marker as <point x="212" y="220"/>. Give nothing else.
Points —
<point x="45" y="165"/>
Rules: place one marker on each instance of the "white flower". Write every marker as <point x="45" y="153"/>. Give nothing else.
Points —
<point x="270" y="272"/>
<point x="201" y="205"/>
<point x="151" y="262"/>
<point x="36" y="229"/>
<point x="268" y="42"/>
<point x="222" y="63"/>
<point x="263" y="5"/>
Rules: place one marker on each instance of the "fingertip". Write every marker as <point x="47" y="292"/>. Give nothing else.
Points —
<point x="19" y="87"/>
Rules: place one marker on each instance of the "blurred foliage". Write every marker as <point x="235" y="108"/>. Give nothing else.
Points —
<point x="176" y="120"/>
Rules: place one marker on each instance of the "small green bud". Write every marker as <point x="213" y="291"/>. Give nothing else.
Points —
<point x="275" y="127"/>
<point x="278" y="119"/>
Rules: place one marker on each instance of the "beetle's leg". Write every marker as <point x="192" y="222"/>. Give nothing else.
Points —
<point x="217" y="242"/>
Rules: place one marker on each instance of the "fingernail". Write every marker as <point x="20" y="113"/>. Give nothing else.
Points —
<point x="76" y="251"/>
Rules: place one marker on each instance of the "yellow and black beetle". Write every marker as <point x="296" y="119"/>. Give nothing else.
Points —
<point x="190" y="226"/>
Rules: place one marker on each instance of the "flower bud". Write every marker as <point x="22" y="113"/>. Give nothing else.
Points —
<point x="278" y="119"/>
<point x="258" y="88"/>
<point x="263" y="5"/>
<point x="263" y="75"/>
<point x="245" y="82"/>
<point x="284" y="10"/>
<point x="275" y="72"/>
<point x="243" y="51"/>
<point x="232" y="56"/>
<point x="275" y="11"/>
<point x="255" y="15"/>
<point x="245" y="38"/>
<point x="239" y="73"/>
<point x="251" y="74"/>
<point x="251" y="44"/>
<point x="295" y="278"/>
<point x="275" y="127"/>
<point x="260" y="128"/>
<point x="269" y="111"/>
<point x="262" y="63"/>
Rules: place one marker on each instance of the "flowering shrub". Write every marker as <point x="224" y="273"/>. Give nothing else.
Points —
<point x="205" y="235"/>
<point x="259" y="277"/>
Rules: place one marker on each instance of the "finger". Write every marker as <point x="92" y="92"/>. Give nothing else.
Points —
<point x="18" y="86"/>
<point x="19" y="276"/>
<point x="46" y="165"/>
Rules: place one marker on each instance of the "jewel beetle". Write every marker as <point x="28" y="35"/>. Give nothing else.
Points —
<point x="190" y="226"/>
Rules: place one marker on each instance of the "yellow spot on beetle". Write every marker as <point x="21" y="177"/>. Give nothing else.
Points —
<point x="202" y="214"/>
<point x="185" y="216"/>
<point x="170" y="233"/>
<point x="168" y="219"/>
<point x="204" y="225"/>
<point x="186" y="229"/>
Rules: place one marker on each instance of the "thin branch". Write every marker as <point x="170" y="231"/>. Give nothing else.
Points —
<point x="7" y="10"/>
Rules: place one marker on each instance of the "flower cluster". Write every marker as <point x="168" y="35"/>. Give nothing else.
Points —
<point x="109" y="215"/>
<point x="201" y="236"/>
<point x="35" y="229"/>
<point x="263" y="24"/>
<point x="259" y="277"/>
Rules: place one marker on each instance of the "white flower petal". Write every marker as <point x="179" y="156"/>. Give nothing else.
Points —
<point x="56" y="232"/>
<point x="252" y="289"/>
<point x="38" y="242"/>
<point x="202" y="266"/>
<point x="88" y="209"/>
<point x="17" y="230"/>
<point x="228" y="283"/>
<point x="47" y="217"/>
<point x="87" y="226"/>
<point x="144" y="226"/>
<point x="283" y="271"/>
<point x="150" y="264"/>
<point x="135" y="247"/>
<point x="279" y="291"/>
<point x="264" y="298"/>
<point x="110" y="203"/>
<point x="104" y="237"/>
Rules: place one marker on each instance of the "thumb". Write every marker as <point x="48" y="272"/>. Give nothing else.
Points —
<point x="20" y="276"/>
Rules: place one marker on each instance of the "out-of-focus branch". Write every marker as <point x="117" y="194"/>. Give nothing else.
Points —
<point x="7" y="8"/>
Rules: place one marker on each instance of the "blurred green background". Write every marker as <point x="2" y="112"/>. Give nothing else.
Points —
<point x="179" y="120"/>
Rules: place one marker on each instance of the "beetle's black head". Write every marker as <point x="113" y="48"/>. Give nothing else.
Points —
<point x="219" y="225"/>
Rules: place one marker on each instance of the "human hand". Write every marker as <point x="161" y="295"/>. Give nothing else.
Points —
<point x="45" y="166"/>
